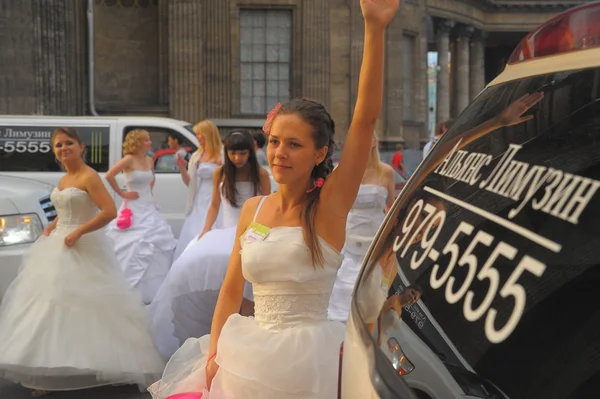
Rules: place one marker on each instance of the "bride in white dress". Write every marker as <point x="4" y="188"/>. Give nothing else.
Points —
<point x="289" y="250"/>
<point x="69" y="320"/>
<point x="197" y="175"/>
<point x="375" y="195"/>
<point x="144" y="249"/>
<point x="184" y="306"/>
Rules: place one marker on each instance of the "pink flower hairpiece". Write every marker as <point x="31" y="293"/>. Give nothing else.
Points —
<point x="270" y="116"/>
<point x="318" y="184"/>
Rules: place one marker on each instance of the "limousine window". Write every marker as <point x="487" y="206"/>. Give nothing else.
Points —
<point x="28" y="148"/>
<point x="498" y="239"/>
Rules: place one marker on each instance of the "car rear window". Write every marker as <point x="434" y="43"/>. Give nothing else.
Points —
<point x="502" y="236"/>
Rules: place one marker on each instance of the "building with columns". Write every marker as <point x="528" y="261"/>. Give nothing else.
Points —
<point x="234" y="59"/>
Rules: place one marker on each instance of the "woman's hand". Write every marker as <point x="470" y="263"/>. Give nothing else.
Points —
<point x="513" y="114"/>
<point x="130" y="195"/>
<point x="211" y="370"/>
<point x="72" y="238"/>
<point x="181" y="163"/>
<point x="379" y="13"/>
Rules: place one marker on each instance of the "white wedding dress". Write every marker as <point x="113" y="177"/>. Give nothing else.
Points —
<point x="289" y="350"/>
<point x="70" y="320"/>
<point x="362" y="224"/>
<point x="201" y="198"/>
<point x="144" y="250"/>
<point x="185" y="303"/>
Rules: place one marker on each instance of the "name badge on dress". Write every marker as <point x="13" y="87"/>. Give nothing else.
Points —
<point x="256" y="232"/>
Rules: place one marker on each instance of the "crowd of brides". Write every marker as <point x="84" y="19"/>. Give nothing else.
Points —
<point x="255" y="282"/>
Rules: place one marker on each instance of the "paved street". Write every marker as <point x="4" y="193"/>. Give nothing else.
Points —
<point x="9" y="390"/>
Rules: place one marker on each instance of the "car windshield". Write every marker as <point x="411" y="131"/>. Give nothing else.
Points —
<point x="497" y="238"/>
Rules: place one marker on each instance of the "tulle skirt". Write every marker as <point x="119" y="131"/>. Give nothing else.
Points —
<point x="185" y="303"/>
<point x="144" y="250"/>
<point x="194" y="222"/>
<point x="70" y="320"/>
<point x="297" y="361"/>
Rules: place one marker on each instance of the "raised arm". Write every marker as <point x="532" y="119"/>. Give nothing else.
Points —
<point x="510" y="116"/>
<point x="111" y="177"/>
<point x="215" y="202"/>
<point x="342" y="186"/>
<point x="99" y="194"/>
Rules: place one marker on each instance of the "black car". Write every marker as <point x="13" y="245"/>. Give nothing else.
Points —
<point x="484" y="280"/>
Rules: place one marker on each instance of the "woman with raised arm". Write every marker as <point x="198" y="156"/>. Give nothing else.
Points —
<point x="145" y="243"/>
<point x="289" y="250"/>
<point x="70" y="320"/>
<point x="197" y="175"/>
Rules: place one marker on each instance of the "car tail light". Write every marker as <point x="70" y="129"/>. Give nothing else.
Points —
<point x="399" y="360"/>
<point x="575" y="29"/>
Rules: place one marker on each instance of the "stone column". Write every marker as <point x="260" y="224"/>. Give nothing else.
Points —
<point x="443" y="28"/>
<point x="186" y="69"/>
<point x="462" y="68"/>
<point x="477" y="64"/>
<point x="59" y="57"/>
<point x="315" y="50"/>
<point x="339" y="61"/>
<point x="163" y="52"/>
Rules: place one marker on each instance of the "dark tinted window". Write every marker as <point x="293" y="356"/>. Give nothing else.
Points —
<point x="500" y="230"/>
<point x="28" y="148"/>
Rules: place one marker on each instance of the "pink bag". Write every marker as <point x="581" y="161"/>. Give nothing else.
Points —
<point x="124" y="219"/>
<point x="186" y="395"/>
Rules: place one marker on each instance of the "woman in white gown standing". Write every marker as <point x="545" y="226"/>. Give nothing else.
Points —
<point x="186" y="301"/>
<point x="69" y="320"/>
<point x="375" y="196"/>
<point x="289" y="250"/>
<point x="197" y="175"/>
<point x="145" y="248"/>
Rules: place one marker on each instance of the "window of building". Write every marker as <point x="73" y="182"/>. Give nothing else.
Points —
<point x="265" y="57"/>
<point x="28" y="148"/>
<point x="408" y="70"/>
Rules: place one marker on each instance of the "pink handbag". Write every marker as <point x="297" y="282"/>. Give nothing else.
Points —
<point x="125" y="217"/>
<point x="186" y="395"/>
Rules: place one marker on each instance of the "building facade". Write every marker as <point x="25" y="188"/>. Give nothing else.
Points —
<point x="234" y="59"/>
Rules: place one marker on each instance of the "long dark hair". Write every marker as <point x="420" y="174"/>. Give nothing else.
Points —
<point x="238" y="140"/>
<point x="316" y="115"/>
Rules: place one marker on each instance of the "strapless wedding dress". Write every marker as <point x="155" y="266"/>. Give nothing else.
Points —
<point x="70" y="320"/>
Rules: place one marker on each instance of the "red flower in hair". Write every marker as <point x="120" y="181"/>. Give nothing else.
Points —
<point x="270" y="116"/>
<point x="318" y="184"/>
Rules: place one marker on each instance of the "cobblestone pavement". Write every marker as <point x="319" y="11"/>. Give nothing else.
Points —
<point x="9" y="390"/>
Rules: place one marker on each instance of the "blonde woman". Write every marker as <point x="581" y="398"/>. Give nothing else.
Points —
<point x="69" y="320"/>
<point x="375" y="196"/>
<point x="145" y="247"/>
<point x="197" y="175"/>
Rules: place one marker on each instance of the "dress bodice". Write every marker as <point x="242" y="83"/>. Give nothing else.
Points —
<point x="366" y="214"/>
<point x="288" y="288"/>
<point x="139" y="181"/>
<point x="204" y="171"/>
<point x="74" y="207"/>
<point x="231" y="214"/>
